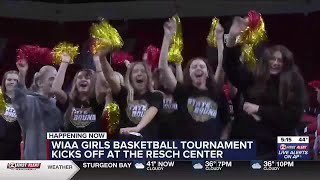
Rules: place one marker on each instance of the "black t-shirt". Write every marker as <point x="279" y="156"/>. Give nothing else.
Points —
<point x="11" y="132"/>
<point x="203" y="117"/>
<point x="63" y="108"/>
<point x="169" y="118"/>
<point x="83" y="116"/>
<point x="132" y="112"/>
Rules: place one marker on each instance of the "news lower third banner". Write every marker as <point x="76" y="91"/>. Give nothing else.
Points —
<point x="35" y="169"/>
<point x="96" y="147"/>
<point x="219" y="169"/>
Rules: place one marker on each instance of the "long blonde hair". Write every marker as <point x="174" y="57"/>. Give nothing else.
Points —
<point x="39" y="76"/>
<point x="128" y="83"/>
<point x="74" y="93"/>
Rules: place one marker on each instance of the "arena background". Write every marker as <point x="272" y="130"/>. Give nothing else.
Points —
<point x="294" y="23"/>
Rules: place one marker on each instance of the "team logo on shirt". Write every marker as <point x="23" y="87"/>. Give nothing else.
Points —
<point x="82" y="117"/>
<point x="136" y="109"/>
<point x="202" y="108"/>
<point x="10" y="114"/>
<point x="169" y="105"/>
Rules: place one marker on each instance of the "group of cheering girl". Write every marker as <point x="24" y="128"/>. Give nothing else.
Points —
<point x="168" y="103"/>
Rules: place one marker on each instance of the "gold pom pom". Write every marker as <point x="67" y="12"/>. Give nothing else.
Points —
<point x="249" y="57"/>
<point x="2" y="103"/>
<point x="113" y="115"/>
<point x="105" y="36"/>
<point x="253" y="36"/>
<point x="65" y="47"/>
<point x="174" y="55"/>
<point x="212" y="39"/>
<point x="250" y="38"/>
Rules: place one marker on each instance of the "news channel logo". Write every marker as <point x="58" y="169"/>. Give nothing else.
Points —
<point x="256" y="165"/>
<point x="283" y="147"/>
<point x="23" y="166"/>
<point x="300" y="146"/>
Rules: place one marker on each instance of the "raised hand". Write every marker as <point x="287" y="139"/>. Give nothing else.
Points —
<point x="170" y="27"/>
<point x="65" y="58"/>
<point x="22" y="66"/>
<point x="239" y="24"/>
<point x="127" y="63"/>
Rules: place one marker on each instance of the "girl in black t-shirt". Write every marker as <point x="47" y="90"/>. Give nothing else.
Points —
<point x="169" y="113"/>
<point x="86" y="99"/>
<point x="139" y="104"/>
<point x="273" y="92"/>
<point x="10" y="132"/>
<point x="203" y="107"/>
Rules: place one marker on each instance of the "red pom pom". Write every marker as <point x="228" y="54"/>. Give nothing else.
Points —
<point x="153" y="54"/>
<point x="226" y="90"/>
<point x="34" y="54"/>
<point x="314" y="84"/>
<point x="119" y="57"/>
<point x="254" y="19"/>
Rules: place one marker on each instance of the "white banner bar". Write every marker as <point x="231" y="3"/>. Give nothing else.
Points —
<point x="293" y="139"/>
<point x="77" y="135"/>
<point x="58" y="170"/>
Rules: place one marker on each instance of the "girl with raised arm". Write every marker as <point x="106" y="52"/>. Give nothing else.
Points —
<point x="86" y="100"/>
<point x="10" y="135"/>
<point x="139" y="104"/>
<point x="203" y="108"/>
<point x="37" y="113"/>
<point x="169" y="113"/>
<point x="274" y="93"/>
<point x="168" y="128"/>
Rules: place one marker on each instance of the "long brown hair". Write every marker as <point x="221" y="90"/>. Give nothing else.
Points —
<point x="291" y="82"/>
<point x="128" y="82"/>
<point x="4" y="78"/>
<point x="211" y="83"/>
<point x="74" y="93"/>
